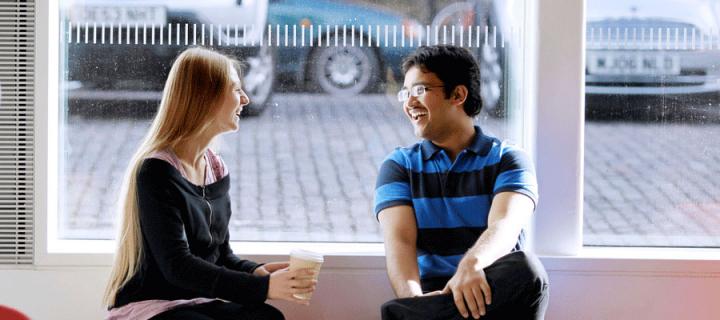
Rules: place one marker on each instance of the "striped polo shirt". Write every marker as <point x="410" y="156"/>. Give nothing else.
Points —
<point x="452" y="200"/>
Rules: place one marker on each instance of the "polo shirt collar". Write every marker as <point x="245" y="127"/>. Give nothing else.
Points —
<point x="429" y="149"/>
<point x="480" y="145"/>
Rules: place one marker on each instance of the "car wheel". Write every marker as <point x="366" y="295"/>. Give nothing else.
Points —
<point x="344" y="70"/>
<point x="259" y="81"/>
<point x="491" y="81"/>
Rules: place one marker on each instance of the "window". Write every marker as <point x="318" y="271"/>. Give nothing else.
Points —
<point x="322" y="77"/>
<point x="651" y="152"/>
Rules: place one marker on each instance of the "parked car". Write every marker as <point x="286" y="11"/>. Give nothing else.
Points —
<point x="640" y="48"/>
<point x="342" y="69"/>
<point x="633" y="48"/>
<point x="120" y="52"/>
<point x="496" y="19"/>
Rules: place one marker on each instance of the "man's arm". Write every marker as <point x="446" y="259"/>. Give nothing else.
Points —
<point x="509" y="213"/>
<point x="400" y="233"/>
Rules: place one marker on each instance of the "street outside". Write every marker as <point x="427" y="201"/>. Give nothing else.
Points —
<point x="304" y="170"/>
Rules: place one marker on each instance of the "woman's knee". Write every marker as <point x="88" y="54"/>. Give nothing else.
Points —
<point x="269" y="312"/>
<point x="230" y="310"/>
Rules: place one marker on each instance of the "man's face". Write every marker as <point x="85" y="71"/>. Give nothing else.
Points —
<point x="429" y="112"/>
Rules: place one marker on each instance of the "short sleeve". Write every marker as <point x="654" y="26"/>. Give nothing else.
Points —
<point x="516" y="173"/>
<point x="392" y="187"/>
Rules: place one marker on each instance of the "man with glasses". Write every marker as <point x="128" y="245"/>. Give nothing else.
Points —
<point x="453" y="206"/>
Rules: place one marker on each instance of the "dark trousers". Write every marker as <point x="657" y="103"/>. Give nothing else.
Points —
<point x="519" y="285"/>
<point x="219" y="310"/>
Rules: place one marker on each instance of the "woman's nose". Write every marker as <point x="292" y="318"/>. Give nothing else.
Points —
<point x="244" y="99"/>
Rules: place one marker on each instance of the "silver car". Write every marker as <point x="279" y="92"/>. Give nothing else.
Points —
<point x="120" y="52"/>
<point x="640" y="48"/>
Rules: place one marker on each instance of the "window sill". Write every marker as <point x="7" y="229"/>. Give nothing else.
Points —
<point x="680" y="262"/>
<point x="600" y="260"/>
<point x="337" y="255"/>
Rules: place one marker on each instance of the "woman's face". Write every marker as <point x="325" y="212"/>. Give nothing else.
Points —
<point x="231" y="104"/>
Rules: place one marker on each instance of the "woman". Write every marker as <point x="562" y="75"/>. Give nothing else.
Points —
<point x="174" y="259"/>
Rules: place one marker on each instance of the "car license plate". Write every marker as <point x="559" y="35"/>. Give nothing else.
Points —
<point x="633" y="63"/>
<point x="140" y="15"/>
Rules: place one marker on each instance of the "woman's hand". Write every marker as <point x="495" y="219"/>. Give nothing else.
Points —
<point x="285" y="283"/>
<point x="270" y="267"/>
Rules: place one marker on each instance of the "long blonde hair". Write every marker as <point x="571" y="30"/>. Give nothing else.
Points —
<point x="191" y="96"/>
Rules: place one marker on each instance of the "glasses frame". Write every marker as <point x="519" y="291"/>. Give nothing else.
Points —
<point x="415" y="91"/>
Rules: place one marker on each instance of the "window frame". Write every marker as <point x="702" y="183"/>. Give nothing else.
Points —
<point x="553" y="98"/>
<point x="560" y="123"/>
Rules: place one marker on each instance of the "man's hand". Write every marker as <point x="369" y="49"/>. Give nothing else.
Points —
<point x="469" y="287"/>
<point x="431" y="293"/>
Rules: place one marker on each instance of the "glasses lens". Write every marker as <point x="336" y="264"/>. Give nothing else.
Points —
<point x="418" y="90"/>
<point x="403" y="95"/>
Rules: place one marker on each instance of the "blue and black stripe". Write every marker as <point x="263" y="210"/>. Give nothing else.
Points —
<point x="451" y="201"/>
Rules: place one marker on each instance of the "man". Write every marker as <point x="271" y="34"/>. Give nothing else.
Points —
<point x="453" y="206"/>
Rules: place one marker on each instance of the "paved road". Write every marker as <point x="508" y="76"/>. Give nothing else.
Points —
<point x="652" y="184"/>
<point x="305" y="169"/>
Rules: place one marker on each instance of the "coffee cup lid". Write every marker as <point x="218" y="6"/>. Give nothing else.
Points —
<point x="307" y="255"/>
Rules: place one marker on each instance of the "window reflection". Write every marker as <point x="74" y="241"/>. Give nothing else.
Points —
<point x="652" y="79"/>
<point x="322" y="76"/>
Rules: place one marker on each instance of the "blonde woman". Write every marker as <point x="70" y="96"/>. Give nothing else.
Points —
<point x="174" y="259"/>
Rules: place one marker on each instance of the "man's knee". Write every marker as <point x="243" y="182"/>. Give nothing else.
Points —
<point x="389" y="309"/>
<point x="530" y="271"/>
<point x="521" y="270"/>
<point x="427" y="307"/>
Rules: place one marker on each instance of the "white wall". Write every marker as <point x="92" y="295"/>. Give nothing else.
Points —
<point x="580" y="289"/>
<point x="581" y="295"/>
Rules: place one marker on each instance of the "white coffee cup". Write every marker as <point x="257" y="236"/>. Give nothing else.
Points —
<point x="303" y="259"/>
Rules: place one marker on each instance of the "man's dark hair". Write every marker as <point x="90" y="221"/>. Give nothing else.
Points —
<point x="454" y="66"/>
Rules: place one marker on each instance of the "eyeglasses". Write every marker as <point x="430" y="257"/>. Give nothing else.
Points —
<point x="415" y="91"/>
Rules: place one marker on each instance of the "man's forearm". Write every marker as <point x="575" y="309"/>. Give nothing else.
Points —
<point x="403" y="270"/>
<point x="497" y="241"/>
<point x="509" y="213"/>
<point x="405" y="288"/>
<point x="400" y="234"/>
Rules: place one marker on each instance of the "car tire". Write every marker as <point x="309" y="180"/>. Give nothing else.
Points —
<point x="344" y="70"/>
<point x="489" y="57"/>
<point x="491" y="80"/>
<point x="259" y="81"/>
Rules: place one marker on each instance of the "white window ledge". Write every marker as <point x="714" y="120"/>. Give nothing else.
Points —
<point x="605" y="260"/>
<point x="681" y="262"/>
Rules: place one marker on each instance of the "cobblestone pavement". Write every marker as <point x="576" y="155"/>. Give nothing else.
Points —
<point x="652" y="184"/>
<point x="304" y="170"/>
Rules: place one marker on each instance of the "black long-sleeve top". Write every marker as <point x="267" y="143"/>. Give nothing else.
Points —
<point x="186" y="242"/>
